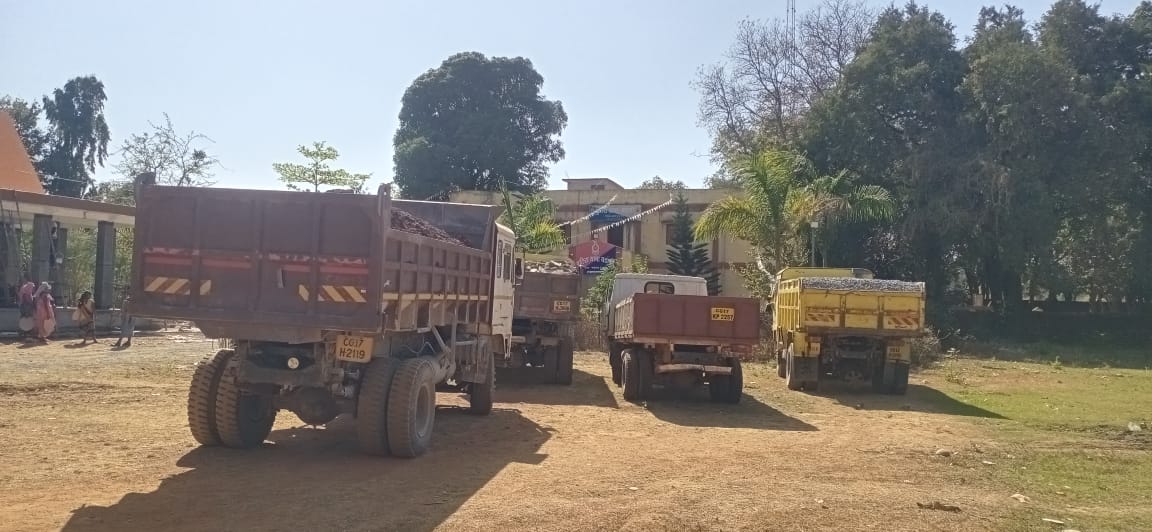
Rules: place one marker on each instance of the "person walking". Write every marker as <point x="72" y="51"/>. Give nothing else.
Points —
<point x="26" y="298"/>
<point x="127" y="323"/>
<point x="44" y="312"/>
<point x="86" y="317"/>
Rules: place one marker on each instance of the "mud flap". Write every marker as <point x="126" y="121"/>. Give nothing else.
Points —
<point x="806" y="369"/>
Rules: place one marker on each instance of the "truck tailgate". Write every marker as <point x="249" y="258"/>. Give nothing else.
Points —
<point x="683" y="319"/>
<point x="548" y="296"/>
<point x="261" y="257"/>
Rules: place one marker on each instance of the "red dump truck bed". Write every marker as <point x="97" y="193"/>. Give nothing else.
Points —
<point x="307" y="260"/>
<point x="687" y="320"/>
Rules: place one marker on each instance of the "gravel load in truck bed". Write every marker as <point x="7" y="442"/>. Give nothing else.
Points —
<point x="402" y="221"/>
<point x="859" y="285"/>
<point x="552" y="266"/>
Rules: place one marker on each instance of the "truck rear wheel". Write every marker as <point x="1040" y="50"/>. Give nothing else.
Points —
<point x="637" y="375"/>
<point x="790" y="379"/>
<point x="899" y="384"/>
<point x="411" y="408"/>
<point x="564" y="362"/>
<point x="243" y="419"/>
<point x="616" y="364"/>
<point x="480" y="393"/>
<point x="202" y="397"/>
<point x="372" y="406"/>
<point x="727" y="388"/>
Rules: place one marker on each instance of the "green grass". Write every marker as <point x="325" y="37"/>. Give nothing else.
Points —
<point x="1061" y="436"/>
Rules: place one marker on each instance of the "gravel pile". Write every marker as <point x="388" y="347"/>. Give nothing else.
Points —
<point x="859" y="285"/>
<point x="552" y="266"/>
<point x="402" y="221"/>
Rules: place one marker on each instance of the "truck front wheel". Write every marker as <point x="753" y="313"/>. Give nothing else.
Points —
<point x="412" y="408"/>
<point x="791" y="379"/>
<point x="480" y="393"/>
<point x="243" y="419"/>
<point x="637" y="375"/>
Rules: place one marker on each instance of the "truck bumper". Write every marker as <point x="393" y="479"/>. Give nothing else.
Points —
<point x="712" y="370"/>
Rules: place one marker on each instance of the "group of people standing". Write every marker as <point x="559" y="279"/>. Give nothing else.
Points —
<point x="38" y="315"/>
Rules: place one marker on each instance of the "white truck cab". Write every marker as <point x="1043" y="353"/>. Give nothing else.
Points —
<point x="627" y="284"/>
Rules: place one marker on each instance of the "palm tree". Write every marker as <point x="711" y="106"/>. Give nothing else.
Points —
<point x="532" y="218"/>
<point x="764" y="213"/>
<point x="834" y="201"/>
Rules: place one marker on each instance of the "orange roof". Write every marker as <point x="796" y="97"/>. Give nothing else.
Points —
<point x="16" y="171"/>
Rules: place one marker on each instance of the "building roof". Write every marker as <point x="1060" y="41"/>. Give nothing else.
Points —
<point x="22" y="195"/>
<point x="16" y="170"/>
<point x="571" y="180"/>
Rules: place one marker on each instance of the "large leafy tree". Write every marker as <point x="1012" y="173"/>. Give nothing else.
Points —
<point x="474" y="123"/>
<point x="77" y="136"/>
<point x="318" y="172"/>
<point x="835" y="202"/>
<point x="687" y="255"/>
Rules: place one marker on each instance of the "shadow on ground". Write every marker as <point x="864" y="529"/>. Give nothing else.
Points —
<point x="313" y="479"/>
<point x="692" y="408"/>
<point x="526" y="385"/>
<point x="919" y="399"/>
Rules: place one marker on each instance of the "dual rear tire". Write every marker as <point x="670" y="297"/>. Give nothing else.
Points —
<point x="728" y="388"/>
<point x="396" y="409"/>
<point x="220" y="413"/>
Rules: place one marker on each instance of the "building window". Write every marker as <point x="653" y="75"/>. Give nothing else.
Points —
<point x="567" y="230"/>
<point x="669" y="233"/>
<point x="597" y="187"/>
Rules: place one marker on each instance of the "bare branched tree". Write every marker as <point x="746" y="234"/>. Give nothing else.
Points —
<point x="767" y="79"/>
<point x="176" y="158"/>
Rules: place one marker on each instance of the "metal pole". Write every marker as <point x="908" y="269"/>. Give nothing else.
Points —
<point x="812" y="257"/>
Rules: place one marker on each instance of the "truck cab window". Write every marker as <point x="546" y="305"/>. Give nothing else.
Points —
<point x="507" y="263"/>
<point x="659" y="288"/>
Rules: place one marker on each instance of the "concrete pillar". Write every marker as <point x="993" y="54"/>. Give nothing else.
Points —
<point x="10" y="254"/>
<point x="58" y="268"/>
<point x="41" y="248"/>
<point x="103" y="292"/>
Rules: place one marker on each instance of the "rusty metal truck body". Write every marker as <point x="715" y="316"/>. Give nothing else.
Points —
<point x="328" y="309"/>
<point x="547" y="307"/>
<point x="667" y="330"/>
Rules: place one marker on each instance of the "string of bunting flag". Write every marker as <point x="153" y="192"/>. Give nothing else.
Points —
<point x="632" y="218"/>
<point x="598" y="210"/>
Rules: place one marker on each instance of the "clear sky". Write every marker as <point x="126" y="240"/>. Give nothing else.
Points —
<point x="261" y="77"/>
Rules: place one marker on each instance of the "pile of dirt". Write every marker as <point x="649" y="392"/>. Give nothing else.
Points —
<point x="403" y="221"/>
<point x="552" y="266"/>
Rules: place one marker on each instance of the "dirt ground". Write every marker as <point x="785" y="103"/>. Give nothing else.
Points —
<point x="96" y="439"/>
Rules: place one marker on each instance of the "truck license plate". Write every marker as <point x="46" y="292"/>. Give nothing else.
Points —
<point x="723" y="314"/>
<point x="353" y="348"/>
<point x="561" y="305"/>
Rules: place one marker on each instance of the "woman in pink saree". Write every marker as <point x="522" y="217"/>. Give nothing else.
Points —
<point x="45" y="313"/>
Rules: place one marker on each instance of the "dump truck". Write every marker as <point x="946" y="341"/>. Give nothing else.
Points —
<point x="331" y="304"/>
<point x="667" y="330"/>
<point x="845" y="324"/>
<point x="547" y="307"/>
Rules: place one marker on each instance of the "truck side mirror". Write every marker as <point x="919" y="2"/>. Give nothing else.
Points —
<point x="519" y="271"/>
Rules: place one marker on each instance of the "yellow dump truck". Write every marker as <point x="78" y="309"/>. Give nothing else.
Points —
<point x="843" y="323"/>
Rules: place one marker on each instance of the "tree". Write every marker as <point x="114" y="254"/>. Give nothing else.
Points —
<point x="762" y="213"/>
<point x="317" y="173"/>
<point x="772" y="74"/>
<point x="533" y="219"/>
<point x="78" y="136"/>
<point x="835" y="201"/>
<point x="474" y="123"/>
<point x="175" y="158"/>
<point x="26" y="116"/>
<point x="686" y="255"/>
<point x="592" y="304"/>
<point x="659" y="183"/>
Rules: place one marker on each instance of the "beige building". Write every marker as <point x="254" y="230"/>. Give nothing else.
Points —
<point x="648" y="235"/>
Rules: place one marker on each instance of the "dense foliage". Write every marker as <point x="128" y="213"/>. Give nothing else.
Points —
<point x="686" y="254"/>
<point x="1016" y="166"/>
